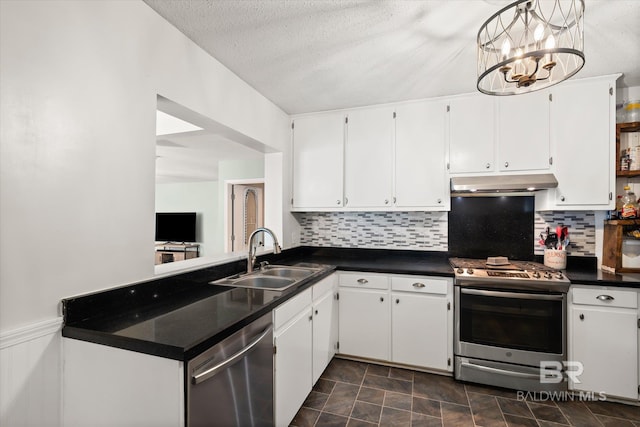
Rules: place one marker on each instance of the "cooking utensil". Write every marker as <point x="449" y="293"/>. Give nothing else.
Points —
<point x="551" y="241"/>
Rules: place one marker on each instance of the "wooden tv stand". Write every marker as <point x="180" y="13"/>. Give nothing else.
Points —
<point x="170" y="252"/>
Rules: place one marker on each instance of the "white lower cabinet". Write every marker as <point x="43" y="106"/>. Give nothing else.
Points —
<point x="108" y="386"/>
<point x="421" y="322"/>
<point x="604" y="339"/>
<point x="305" y="340"/>
<point x="325" y="314"/>
<point x="292" y="367"/>
<point x="401" y="319"/>
<point x="365" y="323"/>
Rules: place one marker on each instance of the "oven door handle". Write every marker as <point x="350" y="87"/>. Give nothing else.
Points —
<point x="491" y="370"/>
<point x="516" y="295"/>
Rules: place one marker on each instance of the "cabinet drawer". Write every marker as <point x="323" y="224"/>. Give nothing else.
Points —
<point x="605" y="297"/>
<point x="367" y="280"/>
<point x="425" y="285"/>
<point x="324" y="286"/>
<point x="288" y="310"/>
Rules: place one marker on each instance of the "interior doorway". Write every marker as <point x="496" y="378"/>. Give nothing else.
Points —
<point x="245" y="213"/>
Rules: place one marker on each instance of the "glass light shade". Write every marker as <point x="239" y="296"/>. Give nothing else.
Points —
<point x="530" y="45"/>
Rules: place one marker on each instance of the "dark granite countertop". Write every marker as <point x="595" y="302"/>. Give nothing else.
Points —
<point x="180" y="316"/>
<point x="177" y="317"/>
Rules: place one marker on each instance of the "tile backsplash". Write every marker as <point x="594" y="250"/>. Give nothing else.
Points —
<point x="582" y="230"/>
<point x="425" y="231"/>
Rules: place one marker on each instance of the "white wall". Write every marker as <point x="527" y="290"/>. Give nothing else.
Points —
<point x="79" y="84"/>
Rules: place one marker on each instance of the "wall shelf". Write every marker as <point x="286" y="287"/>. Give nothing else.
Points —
<point x="625" y="128"/>
<point x="615" y="233"/>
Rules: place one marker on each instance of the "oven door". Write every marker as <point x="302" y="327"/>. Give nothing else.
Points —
<point x="510" y="326"/>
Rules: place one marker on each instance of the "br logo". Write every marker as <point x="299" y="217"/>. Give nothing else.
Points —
<point x="551" y="371"/>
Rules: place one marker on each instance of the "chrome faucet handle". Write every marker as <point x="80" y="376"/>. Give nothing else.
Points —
<point x="263" y="264"/>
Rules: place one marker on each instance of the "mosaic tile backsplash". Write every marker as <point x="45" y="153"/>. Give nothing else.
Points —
<point x="582" y="230"/>
<point x="425" y="231"/>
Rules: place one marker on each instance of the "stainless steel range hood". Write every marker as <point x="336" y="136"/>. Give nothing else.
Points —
<point x="503" y="183"/>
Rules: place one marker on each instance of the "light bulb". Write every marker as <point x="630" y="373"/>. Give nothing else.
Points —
<point x="550" y="43"/>
<point x="518" y="54"/>
<point x="538" y="33"/>
<point x="506" y="48"/>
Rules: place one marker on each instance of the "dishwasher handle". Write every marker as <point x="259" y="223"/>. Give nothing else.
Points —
<point x="203" y="376"/>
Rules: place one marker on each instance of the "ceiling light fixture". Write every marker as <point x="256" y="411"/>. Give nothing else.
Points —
<point x="530" y="45"/>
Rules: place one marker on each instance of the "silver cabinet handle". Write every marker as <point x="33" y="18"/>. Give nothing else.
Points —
<point x="363" y="281"/>
<point x="346" y="201"/>
<point x="394" y="200"/>
<point x="338" y="202"/>
<point x="381" y="299"/>
<point x="506" y="164"/>
<point x="203" y="376"/>
<point x="488" y="165"/>
<point x="605" y="297"/>
<point x="397" y="300"/>
<point x="386" y="201"/>
<point x="562" y="198"/>
<point x="439" y="200"/>
<point x="418" y="285"/>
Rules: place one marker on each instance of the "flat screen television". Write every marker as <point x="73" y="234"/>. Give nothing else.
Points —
<point x="176" y="227"/>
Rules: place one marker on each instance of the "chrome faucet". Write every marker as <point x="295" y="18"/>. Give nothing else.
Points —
<point x="251" y="257"/>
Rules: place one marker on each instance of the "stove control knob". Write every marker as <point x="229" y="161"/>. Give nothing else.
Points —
<point x="469" y="270"/>
<point x="559" y="275"/>
<point x="459" y="271"/>
<point x="547" y="275"/>
<point x="536" y="274"/>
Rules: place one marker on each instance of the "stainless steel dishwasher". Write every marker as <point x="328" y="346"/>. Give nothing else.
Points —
<point x="231" y="384"/>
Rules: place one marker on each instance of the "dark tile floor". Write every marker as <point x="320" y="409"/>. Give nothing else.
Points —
<point x="361" y="394"/>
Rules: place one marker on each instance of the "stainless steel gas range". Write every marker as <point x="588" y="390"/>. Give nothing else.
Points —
<point x="510" y="324"/>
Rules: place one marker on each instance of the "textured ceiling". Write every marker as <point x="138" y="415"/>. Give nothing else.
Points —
<point x="314" y="55"/>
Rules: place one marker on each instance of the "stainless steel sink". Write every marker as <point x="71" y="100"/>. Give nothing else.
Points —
<point x="264" y="282"/>
<point x="295" y="273"/>
<point x="271" y="277"/>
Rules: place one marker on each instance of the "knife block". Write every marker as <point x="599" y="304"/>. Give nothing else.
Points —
<point x="615" y="234"/>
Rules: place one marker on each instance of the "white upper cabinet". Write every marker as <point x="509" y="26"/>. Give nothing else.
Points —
<point x="368" y="152"/>
<point x="523" y="132"/>
<point x="472" y="134"/>
<point x="421" y="178"/>
<point x="583" y="137"/>
<point x="318" y="147"/>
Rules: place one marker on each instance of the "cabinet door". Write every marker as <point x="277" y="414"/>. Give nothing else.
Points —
<point x="472" y="134"/>
<point x="582" y="135"/>
<point x="420" y="155"/>
<point x="605" y="341"/>
<point x="323" y="345"/>
<point x="523" y="132"/>
<point x="292" y="367"/>
<point x="318" y="146"/>
<point x="368" y="158"/>
<point x="364" y="323"/>
<point x="419" y="333"/>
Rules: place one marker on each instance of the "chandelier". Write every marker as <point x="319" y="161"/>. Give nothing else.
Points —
<point x="530" y="45"/>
